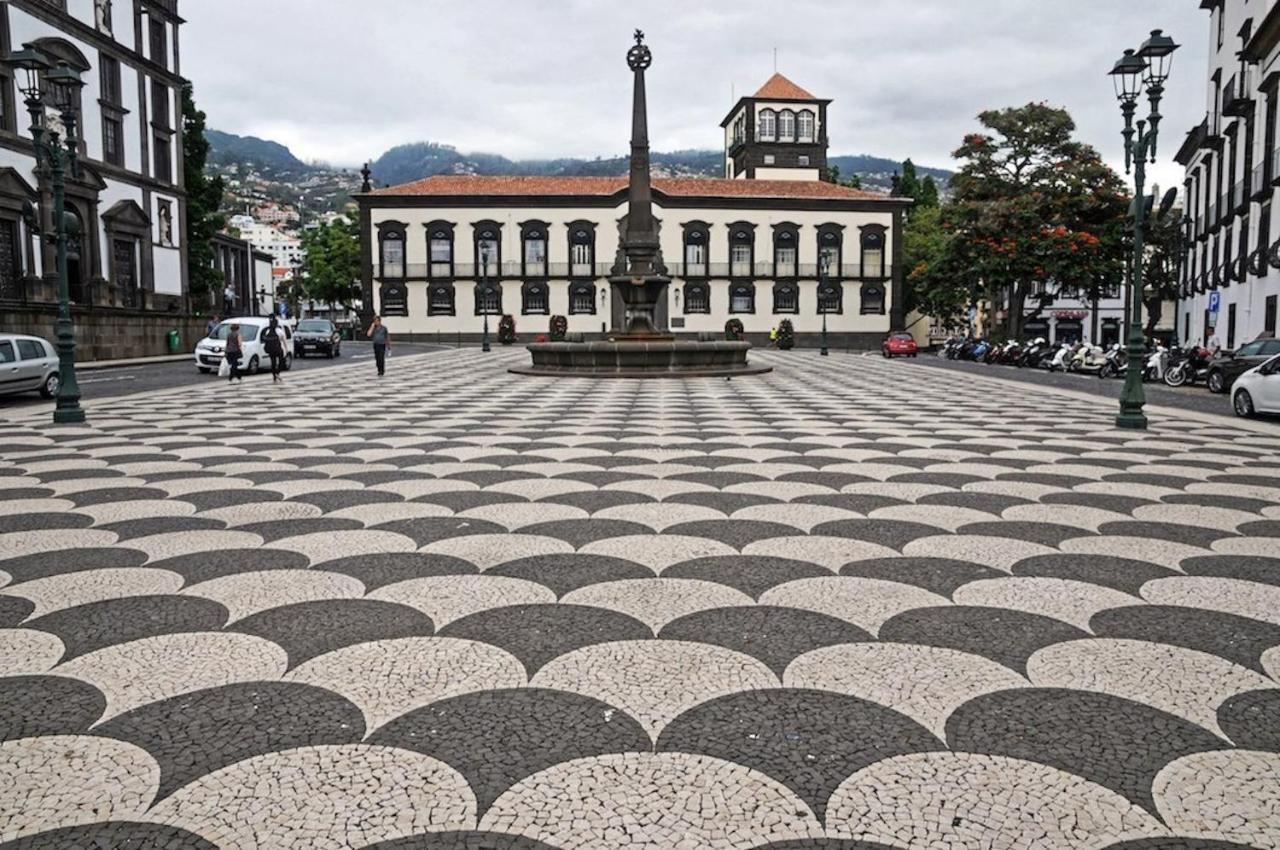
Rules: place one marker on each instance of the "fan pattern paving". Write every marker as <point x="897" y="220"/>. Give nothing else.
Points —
<point x="844" y="605"/>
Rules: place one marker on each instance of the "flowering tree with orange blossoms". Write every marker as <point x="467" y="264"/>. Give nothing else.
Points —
<point x="1031" y="205"/>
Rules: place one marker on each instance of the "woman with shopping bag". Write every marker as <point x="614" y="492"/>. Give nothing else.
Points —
<point x="234" y="352"/>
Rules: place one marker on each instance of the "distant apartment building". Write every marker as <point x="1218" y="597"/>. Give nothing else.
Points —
<point x="1232" y="163"/>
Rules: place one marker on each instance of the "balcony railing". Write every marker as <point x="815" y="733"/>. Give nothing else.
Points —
<point x="1237" y="97"/>
<point x="579" y="271"/>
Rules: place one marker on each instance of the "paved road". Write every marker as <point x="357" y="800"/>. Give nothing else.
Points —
<point x="1189" y="398"/>
<point x="839" y="605"/>
<point x="110" y="382"/>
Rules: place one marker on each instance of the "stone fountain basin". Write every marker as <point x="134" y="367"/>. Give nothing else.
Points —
<point x="662" y="358"/>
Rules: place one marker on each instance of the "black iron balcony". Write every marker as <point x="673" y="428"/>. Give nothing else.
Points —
<point x="1237" y="98"/>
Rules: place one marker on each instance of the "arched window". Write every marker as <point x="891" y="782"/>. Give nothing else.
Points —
<point x="786" y="246"/>
<point x="872" y="299"/>
<point x="533" y="251"/>
<point x="807" y="125"/>
<point x="488" y="248"/>
<point x="768" y="125"/>
<point x="440" y="249"/>
<point x="742" y="297"/>
<point x="786" y="126"/>
<point x="697" y="298"/>
<point x="695" y="249"/>
<point x="830" y="297"/>
<point x="742" y="241"/>
<point x="873" y="251"/>
<point x="786" y="298"/>
<point x="582" y="249"/>
<point x="830" y="250"/>
<point x="582" y="298"/>
<point x="488" y="298"/>
<point x="534" y="299"/>
<point x="391" y="249"/>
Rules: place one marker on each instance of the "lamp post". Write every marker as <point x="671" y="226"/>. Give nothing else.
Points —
<point x="824" y="291"/>
<point x="484" y="295"/>
<point x="56" y="151"/>
<point x="295" y="290"/>
<point x="1147" y="67"/>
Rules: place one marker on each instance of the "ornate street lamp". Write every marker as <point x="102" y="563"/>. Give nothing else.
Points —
<point x="484" y="295"/>
<point x="45" y="85"/>
<point x="824" y="292"/>
<point x="1149" y="66"/>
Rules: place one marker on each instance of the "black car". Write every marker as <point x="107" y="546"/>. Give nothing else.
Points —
<point x="1229" y="365"/>
<point x="318" y="335"/>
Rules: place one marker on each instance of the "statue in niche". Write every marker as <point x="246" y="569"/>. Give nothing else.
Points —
<point x="102" y="14"/>
<point x="166" y="225"/>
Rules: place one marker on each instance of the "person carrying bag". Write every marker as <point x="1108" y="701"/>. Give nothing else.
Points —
<point x="273" y="341"/>
<point x="234" y="352"/>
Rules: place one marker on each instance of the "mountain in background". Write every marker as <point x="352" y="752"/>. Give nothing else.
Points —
<point x="259" y="169"/>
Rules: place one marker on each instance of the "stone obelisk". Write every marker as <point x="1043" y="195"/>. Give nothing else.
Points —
<point x="639" y="275"/>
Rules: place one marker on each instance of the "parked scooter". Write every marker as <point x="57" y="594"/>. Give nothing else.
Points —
<point x="1117" y="361"/>
<point x="1033" y="353"/>
<point x="1190" y="367"/>
<point x="1088" y="358"/>
<point x="1061" y="357"/>
<point x="1157" y="365"/>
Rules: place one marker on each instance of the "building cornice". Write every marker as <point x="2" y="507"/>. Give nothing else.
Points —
<point x="886" y="204"/>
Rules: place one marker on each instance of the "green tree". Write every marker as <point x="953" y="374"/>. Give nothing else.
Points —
<point x="910" y="185"/>
<point x="833" y="176"/>
<point x="1164" y="249"/>
<point x="928" y="192"/>
<point x="936" y="285"/>
<point x="333" y="262"/>
<point x="1031" y="205"/>
<point x="204" y="197"/>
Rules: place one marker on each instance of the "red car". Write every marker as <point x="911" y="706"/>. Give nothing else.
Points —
<point x="899" y="345"/>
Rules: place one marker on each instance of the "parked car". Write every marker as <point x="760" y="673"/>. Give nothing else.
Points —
<point x="210" y="350"/>
<point x="27" y="364"/>
<point x="318" y="335"/>
<point x="1229" y="365"/>
<point x="899" y="345"/>
<point x="1258" y="390"/>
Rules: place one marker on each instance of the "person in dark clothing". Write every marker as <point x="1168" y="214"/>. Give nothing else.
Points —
<point x="381" y="339"/>
<point x="273" y="342"/>
<point x="234" y="352"/>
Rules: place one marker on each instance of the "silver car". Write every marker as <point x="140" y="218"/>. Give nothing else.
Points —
<point x="27" y="363"/>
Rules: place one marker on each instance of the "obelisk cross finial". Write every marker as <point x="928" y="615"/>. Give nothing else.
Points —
<point x="639" y="57"/>
<point x="639" y="36"/>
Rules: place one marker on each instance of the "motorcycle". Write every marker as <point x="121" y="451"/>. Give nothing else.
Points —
<point x="1190" y="366"/>
<point x="1089" y="358"/>
<point x="1010" y="354"/>
<point x="1117" y="361"/>
<point x="1157" y="364"/>
<point x="1033" y="353"/>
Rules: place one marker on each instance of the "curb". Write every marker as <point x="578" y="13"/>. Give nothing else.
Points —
<point x="93" y="365"/>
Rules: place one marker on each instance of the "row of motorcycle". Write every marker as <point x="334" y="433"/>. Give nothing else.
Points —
<point x="1173" y="366"/>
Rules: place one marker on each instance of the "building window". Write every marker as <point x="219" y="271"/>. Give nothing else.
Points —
<point x="582" y="249"/>
<point x="873" y="253"/>
<point x="534" y="239"/>
<point x="109" y="72"/>
<point x="440" y="300"/>
<point x="695" y="249"/>
<point x="830" y="241"/>
<point x="440" y="251"/>
<point x="1221" y="12"/>
<point x="830" y="298"/>
<point x="488" y="249"/>
<point x="10" y="260"/>
<point x="786" y="298"/>
<point x="582" y="299"/>
<point x="740" y="129"/>
<point x="160" y="105"/>
<point x="112" y="143"/>
<point x="159" y="43"/>
<point x="872" y="299"/>
<point x="768" y="125"/>
<point x="489" y="299"/>
<point x="769" y="159"/>
<point x="163" y="162"/>
<point x="786" y="126"/>
<point x="534" y="300"/>
<point x="741" y="250"/>
<point x="802" y="160"/>
<point x="806" y="125"/>
<point x="742" y="298"/>
<point x="697" y="298"/>
<point x="124" y="271"/>
<point x="393" y="254"/>
<point x="784" y="252"/>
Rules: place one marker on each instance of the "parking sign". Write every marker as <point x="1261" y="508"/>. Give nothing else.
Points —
<point x="1215" y="298"/>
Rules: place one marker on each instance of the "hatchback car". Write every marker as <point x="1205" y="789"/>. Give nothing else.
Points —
<point x="899" y="345"/>
<point x="318" y="335"/>
<point x="211" y="350"/>
<point x="1258" y="390"/>
<point x="27" y="364"/>
<point x="1229" y="365"/>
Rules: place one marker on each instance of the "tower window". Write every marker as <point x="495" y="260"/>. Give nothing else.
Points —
<point x="768" y="125"/>
<point x="787" y="126"/>
<point x="806" y="122"/>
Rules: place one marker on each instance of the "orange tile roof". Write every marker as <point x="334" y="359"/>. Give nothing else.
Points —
<point x="446" y="185"/>
<point x="780" y="87"/>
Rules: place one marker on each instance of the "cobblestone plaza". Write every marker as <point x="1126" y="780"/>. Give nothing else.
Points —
<point x="849" y="604"/>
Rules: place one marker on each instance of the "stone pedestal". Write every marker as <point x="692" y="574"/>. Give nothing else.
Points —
<point x="634" y="359"/>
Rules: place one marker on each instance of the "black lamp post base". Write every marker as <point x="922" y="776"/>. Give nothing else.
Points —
<point x="1133" y="421"/>
<point x="68" y="416"/>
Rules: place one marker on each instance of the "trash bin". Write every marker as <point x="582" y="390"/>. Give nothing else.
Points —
<point x="348" y="333"/>
<point x="172" y="341"/>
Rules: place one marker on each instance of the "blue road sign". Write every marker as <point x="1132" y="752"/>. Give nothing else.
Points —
<point x="1215" y="299"/>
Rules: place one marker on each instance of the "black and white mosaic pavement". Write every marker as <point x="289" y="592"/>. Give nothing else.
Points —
<point x="850" y="604"/>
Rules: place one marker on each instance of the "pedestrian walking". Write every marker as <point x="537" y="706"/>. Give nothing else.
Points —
<point x="381" y="339"/>
<point x="212" y="325"/>
<point x="773" y="337"/>
<point x="234" y="352"/>
<point x="273" y="342"/>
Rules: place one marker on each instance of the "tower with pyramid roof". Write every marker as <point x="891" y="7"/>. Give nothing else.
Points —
<point x="778" y="133"/>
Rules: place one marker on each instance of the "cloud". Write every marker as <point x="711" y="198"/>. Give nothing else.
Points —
<point x="343" y="81"/>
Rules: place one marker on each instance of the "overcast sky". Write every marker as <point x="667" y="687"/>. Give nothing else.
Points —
<point x="342" y="81"/>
